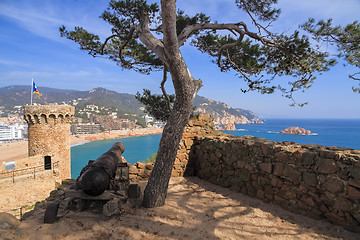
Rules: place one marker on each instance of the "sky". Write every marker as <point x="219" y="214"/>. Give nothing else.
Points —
<point x="31" y="47"/>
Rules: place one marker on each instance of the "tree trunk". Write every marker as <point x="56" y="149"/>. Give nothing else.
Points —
<point x="156" y="189"/>
<point x="185" y="89"/>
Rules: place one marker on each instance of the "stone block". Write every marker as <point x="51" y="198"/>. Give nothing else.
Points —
<point x="333" y="185"/>
<point x="336" y="219"/>
<point x="267" y="148"/>
<point x="175" y="173"/>
<point x="327" y="154"/>
<point x="242" y="174"/>
<point x="281" y="156"/>
<point x="133" y="169"/>
<point x="355" y="182"/>
<point x="292" y="174"/>
<point x="266" y="167"/>
<point x="268" y="189"/>
<point x="274" y="181"/>
<point x="278" y="169"/>
<point x="249" y="167"/>
<point x="326" y="165"/>
<point x="309" y="179"/>
<point x="308" y="158"/>
<point x="280" y="201"/>
<point x="188" y="142"/>
<point x="354" y="172"/>
<point x="308" y="200"/>
<point x="353" y="193"/>
<point x="144" y="173"/>
<point x="298" y="155"/>
<point x="140" y="165"/>
<point x="343" y="204"/>
<point x="287" y="192"/>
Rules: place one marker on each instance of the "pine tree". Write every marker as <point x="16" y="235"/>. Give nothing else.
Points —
<point x="146" y="39"/>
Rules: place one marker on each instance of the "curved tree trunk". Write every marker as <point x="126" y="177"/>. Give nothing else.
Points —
<point x="156" y="189"/>
<point x="185" y="89"/>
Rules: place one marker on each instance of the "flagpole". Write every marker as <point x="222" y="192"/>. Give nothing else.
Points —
<point x="31" y="94"/>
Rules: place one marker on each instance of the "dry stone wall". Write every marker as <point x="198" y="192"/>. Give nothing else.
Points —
<point x="317" y="181"/>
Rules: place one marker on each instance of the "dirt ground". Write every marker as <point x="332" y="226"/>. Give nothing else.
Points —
<point x="194" y="209"/>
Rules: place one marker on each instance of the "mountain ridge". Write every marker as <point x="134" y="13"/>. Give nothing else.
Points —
<point x="19" y="95"/>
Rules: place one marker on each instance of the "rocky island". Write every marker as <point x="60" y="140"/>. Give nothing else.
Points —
<point x="296" y="131"/>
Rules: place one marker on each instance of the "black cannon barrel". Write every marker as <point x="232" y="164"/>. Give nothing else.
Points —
<point x="96" y="179"/>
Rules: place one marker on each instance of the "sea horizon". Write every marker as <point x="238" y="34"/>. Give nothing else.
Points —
<point x="327" y="132"/>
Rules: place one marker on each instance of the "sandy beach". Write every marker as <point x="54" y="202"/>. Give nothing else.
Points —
<point x="17" y="150"/>
<point x="12" y="151"/>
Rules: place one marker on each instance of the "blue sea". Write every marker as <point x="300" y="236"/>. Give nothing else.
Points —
<point x="327" y="132"/>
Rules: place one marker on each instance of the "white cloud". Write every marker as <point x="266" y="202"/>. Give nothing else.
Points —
<point x="13" y="63"/>
<point x="43" y="18"/>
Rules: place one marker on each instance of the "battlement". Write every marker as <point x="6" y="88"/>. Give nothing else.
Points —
<point x="48" y="114"/>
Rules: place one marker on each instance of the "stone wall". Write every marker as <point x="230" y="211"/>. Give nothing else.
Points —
<point x="317" y="181"/>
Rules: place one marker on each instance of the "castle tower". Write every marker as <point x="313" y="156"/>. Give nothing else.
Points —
<point x="49" y="135"/>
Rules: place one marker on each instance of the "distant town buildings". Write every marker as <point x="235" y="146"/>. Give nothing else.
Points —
<point x="85" y="128"/>
<point x="12" y="132"/>
<point x="150" y="122"/>
<point x="12" y="128"/>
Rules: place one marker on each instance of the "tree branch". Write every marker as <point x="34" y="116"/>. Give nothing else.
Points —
<point x="240" y="28"/>
<point x="106" y="40"/>
<point x="148" y="39"/>
<point x="352" y="76"/>
<point x="166" y="96"/>
<point x="227" y="46"/>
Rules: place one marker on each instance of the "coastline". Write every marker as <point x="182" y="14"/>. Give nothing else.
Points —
<point x="84" y="138"/>
<point x="17" y="150"/>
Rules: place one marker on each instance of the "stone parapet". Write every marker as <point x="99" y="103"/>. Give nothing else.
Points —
<point x="48" y="114"/>
<point x="317" y="181"/>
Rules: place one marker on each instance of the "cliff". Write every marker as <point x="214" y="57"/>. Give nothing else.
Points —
<point x="223" y="114"/>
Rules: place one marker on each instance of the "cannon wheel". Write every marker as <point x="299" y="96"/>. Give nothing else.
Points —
<point x="51" y="213"/>
<point x="134" y="191"/>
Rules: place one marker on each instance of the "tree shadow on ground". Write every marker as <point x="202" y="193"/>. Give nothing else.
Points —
<point x="194" y="209"/>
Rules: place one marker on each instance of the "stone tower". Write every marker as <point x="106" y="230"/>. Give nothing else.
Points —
<point x="49" y="135"/>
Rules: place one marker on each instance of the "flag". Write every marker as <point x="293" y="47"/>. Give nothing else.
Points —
<point x="35" y="89"/>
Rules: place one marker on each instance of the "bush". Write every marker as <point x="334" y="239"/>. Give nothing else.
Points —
<point x="151" y="159"/>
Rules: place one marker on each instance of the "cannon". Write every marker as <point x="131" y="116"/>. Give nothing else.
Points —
<point x="95" y="179"/>
<point x="104" y="180"/>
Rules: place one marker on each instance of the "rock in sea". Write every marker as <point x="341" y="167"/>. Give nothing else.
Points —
<point x="296" y="130"/>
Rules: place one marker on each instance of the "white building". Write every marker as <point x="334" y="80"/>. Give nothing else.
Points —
<point x="148" y="119"/>
<point x="11" y="132"/>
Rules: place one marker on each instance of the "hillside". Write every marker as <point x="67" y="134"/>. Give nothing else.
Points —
<point x="20" y="95"/>
<point x="223" y="114"/>
<point x="12" y="96"/>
